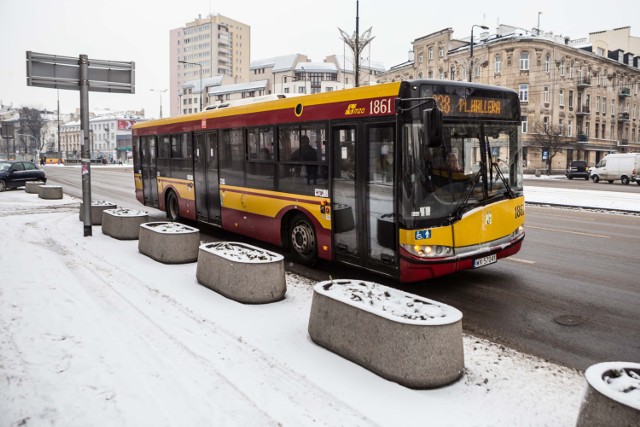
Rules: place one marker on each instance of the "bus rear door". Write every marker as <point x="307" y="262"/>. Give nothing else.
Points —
<point x="149" y="171"/>
<point x="207" y="178"/>
<point x="363" y="212"/>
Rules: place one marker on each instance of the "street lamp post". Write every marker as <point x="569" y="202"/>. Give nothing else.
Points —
<point x="161" y="91"/>
<point x="201" y="88"/>
<point x="484" y="27"/>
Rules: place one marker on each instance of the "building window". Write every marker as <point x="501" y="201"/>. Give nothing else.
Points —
<point x="571" y="70"/>
<point x="547" y="61"/>
<point x="498" y="64"/>
<point x="597" y="105"/>
<point x="525" y="124"/>
<point x="546" y="94"/>
<point x="524" y="92"/>
<point x="562" y="67"/>
<point x="570" y="99"/>
<point x="441" y="52"/>
<point x="545" y="123"/>
<point x="613" y="108"/>
<point x="430" y="53"/>
<point x="561" y="97"/>
<point x="524" y="60"/>
<point x="420" y="58"/>
<point x="441" y="74"/>
<point x="604" y="106"/>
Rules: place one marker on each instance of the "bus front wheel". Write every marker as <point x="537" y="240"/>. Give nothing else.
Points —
<point x="173" y="208"/>
<point x="302" y="240"/>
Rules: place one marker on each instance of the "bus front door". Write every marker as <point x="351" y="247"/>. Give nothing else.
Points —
<point x="207" y="178"/>
<point x="363" y="211"/>
<point x="149" y="171"/>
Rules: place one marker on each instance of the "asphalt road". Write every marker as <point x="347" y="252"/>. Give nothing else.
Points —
<point x="572" y="294"/>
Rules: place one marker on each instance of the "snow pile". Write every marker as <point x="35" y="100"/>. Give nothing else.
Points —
<point x="240" y="252"/>
<point x="94" y="333"/>
<point x="125" y="212"/>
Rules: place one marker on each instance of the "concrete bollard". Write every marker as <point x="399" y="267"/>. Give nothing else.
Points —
<point x="405" y="338"/>
<point x="242" y="272"/>
<point x="51" y="192"/>
<point x="97" y="208"/>
<point x="609" y="395"/>
<point x="123" y="224"/>
<point x="31" y="187"/>
<point x="169" y="242"/>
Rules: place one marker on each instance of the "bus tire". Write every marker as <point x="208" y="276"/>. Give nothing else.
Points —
<point x="173" y="207"/>
<point x="301" y="240"/>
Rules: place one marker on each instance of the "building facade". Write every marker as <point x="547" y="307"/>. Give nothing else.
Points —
<point x="209" y="47"/>
<point x="587" y="91"/>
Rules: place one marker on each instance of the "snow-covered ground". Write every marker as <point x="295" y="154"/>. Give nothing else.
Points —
<point x="598" y="199"/>
<point x="95" y="333"/>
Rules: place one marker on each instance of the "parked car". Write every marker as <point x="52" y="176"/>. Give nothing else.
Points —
<point x="15" y="174"/>
<point x="578" y="169"/>
<point x="621" y="166"/>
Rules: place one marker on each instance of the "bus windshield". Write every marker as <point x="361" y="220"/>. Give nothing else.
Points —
<point x="477" y="164"/>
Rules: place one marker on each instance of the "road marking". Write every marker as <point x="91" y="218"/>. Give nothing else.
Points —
<point x="523" y="261"/>
<point x="569" y="232"/>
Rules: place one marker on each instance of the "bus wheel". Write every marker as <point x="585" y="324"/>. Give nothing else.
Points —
<point x="172" y="206"/>
<point x="302" y="240"/>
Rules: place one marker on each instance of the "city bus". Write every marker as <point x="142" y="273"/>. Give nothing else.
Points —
<point x="414" y="179"/>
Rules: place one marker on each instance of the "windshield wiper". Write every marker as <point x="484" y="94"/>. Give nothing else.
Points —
<point x="507" y="187"/>
<point x="462" y="204"/>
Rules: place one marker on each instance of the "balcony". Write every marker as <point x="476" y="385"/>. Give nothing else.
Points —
<point x="624" y="92"/>
<point x="623" y="117"/>
<point x="582" y="137"/>
<point x="583" y="111"/>
<point x="584" y="82"/>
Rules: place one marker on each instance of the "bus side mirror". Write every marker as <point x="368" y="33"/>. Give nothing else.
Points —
<point x="432" y="127"/>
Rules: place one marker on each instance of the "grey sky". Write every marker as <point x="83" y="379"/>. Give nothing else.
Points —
<point x="138" y="30"/>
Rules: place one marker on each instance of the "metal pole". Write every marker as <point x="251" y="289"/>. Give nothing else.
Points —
<point x="357" y="49"/>
<point x="59" y="152"/>
<point x="86" y="150"/>
<point x="471" y="58"/>
<point x="201" y="88"/>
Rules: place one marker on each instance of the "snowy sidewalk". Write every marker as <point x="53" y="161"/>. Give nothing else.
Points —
<point x="94" y="333"/>
<point x="597" y="199"/>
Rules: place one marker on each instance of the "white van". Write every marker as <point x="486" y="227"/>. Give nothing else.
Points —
<point x="623" y="167"/>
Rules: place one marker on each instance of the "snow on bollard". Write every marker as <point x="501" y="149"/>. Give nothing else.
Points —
<point x="123" y="224"/>
<point x="169" y="242"/>
<point x="414" y="341"/>
<point x="612" y="395"/>
<point x="242" y="272"/>
<point x="97" y="208"/>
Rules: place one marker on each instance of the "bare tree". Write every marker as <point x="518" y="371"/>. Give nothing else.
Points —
<point x="551" y="138"/>
<point x="31" y="123"/>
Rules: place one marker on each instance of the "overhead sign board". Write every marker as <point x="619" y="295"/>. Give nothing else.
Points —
<point x="63" y="72"/>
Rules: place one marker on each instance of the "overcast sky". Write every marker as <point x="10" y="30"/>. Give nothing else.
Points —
<point x="138" y="30"/>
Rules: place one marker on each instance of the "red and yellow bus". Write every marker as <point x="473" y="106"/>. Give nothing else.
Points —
<point x="413" y="179"/>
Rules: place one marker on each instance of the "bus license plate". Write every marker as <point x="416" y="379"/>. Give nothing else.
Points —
<point x="481" y="262"/>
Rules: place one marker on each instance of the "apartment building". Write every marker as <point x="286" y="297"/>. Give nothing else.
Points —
<point x="205" y="48"/>
<point x="587" y="89"/>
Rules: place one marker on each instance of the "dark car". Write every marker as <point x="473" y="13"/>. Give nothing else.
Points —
<point x="578" y="169"/>
<point x="15" y="174"/>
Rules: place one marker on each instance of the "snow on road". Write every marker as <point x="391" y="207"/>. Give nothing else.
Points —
<point x="94" y="333"/>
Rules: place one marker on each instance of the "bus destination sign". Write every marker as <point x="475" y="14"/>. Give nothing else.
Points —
<point x="452" y="105"/>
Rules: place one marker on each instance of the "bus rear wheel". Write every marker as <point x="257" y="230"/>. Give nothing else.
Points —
<point x="302" y="240"/>
<point x="173" y="208"/>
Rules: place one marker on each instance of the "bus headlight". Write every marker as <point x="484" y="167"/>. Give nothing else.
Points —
<point x="429" y="251"/>
<point x="518" y="232"/>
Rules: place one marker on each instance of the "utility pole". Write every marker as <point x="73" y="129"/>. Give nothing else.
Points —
<point x="59" y="152"/>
